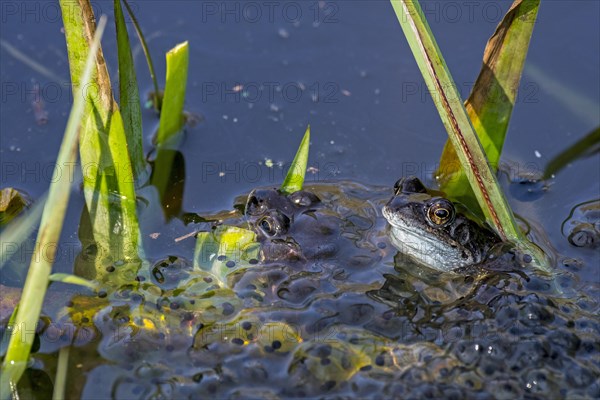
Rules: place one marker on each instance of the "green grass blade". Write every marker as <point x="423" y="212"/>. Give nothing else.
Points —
<point x="128" y="95"/>
<point x="108" y="180"/>
<point x="156" y="98"/>
<point x="493" y="97"/>
<point x="584" y="147"/>
<point x="60" y="383"/>
<point x="55" y="208"/>
<point x="171" y="114"/>
<point x="294" y="180"/>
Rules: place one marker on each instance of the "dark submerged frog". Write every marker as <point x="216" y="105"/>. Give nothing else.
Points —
<point x="291" y="227"/>
<point x="432" y="231"/>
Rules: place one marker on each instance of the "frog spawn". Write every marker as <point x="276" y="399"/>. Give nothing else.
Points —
<point x="582" y="228"/>
<point x="247" y="349"/>
<point x="509" y="333"/>
<point x="504" y="334"/>
<point x="267" y="350"/>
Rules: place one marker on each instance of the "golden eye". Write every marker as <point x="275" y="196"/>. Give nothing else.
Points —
<point x="440" y="213"/>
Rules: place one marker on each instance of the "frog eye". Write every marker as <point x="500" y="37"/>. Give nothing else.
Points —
<point x="274" y="223"/>
<point x="440" y="213"/>
<point x="267" y="226"/>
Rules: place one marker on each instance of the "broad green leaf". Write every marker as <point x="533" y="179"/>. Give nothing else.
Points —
<point x="585" y="147"/>
<point x="294" y="180"/>
<point x="55" y="208"/>
<point x="456" y="120"/>
<point x="225" y="250"/>
<point x="73" y="280"/>
<point x="493" y="97"/>
<point x="129" y="95"/>
<point x="108" y="180"/>
<point x="171" y="114"/>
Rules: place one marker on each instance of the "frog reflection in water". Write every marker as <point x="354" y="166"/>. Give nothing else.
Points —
<point x="290" y="227"/>
<point x="430" y="230"/>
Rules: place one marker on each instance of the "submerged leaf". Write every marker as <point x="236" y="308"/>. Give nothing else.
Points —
<point x="584" y="108"/>
<point x="168" y="177"/>
<point x="584" y="147"/>
<point x="72" y="279"/>
<point x="225" y="250"/>
<point x="294" y="180"/>
<point x="12" y="202"/>
<point x="16" y="233"/>
<point x="492" y="99"/>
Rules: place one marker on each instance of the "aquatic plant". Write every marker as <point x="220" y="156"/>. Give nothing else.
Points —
<point x="108" y="178"/>
<point x="30" y="305"/>
<point x="109" y="139"/>
<point x="171" y="114"/>
<point x="584" y="147"/>
<point x="294" y="178"/>
<point x="493" y="97"/>
<point x="129" y="95"/>
<point x="461" y="130"/>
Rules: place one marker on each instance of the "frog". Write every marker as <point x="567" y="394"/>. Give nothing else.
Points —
<point x="291" y="227"/>
<point x="434" y="231"/>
